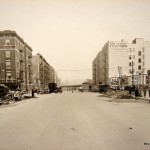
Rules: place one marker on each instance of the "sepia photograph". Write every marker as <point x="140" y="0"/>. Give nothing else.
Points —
<point x="74" y="75"/>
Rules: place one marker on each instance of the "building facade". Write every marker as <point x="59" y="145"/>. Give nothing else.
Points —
<point x="120" y="61"/>
<point x="43" y="73"/>
<point x="139" y="56"/>
<point x="15" y="61"/>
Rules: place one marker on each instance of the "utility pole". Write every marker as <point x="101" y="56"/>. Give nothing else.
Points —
<point x="120" y="76"/>
<point x="132" y="75"/>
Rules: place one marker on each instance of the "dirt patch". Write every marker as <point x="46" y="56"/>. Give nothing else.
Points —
<point x="118" y="95"/>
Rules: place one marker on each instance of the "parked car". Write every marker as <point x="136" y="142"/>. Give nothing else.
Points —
<point x="58" y="90"/>
<point x="3" y="93"/>
<point x="103" y="88"/>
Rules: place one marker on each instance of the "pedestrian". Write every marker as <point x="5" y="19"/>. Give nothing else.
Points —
<point x="136" y="92"/>
<point x="144" y="91"/>
<point x="130" y="90"/>
<point x="149" y="91"/>
<point x="140" y="91"/>
<point x="32" y="93"/>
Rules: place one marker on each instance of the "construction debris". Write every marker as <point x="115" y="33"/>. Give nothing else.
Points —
<point x="118" y="94"/>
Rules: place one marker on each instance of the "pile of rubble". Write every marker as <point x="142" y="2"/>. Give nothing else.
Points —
<point x="118" y="94"/>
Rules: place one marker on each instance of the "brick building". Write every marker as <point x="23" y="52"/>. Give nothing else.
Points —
<point x="15" y="61"/>
<point x="43" y="73"/>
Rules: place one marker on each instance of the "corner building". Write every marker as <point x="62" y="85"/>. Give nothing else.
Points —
<point x="15" y="61"/>
<point x="105" y="65"/>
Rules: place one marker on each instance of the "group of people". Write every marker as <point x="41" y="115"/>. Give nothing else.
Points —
<point x="139" y="91"/>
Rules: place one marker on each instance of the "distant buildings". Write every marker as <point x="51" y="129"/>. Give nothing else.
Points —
<point x="122" y="60"/>
<point x="17" y="67"/>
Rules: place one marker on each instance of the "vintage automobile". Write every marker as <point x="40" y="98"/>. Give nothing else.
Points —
<point x="4" y="91"/>
<point x="58" y="90"/>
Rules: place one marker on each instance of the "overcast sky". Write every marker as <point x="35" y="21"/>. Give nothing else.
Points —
<point x="70" y="33"/>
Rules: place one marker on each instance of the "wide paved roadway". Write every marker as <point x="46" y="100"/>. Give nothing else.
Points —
<point x="75" y="121"/>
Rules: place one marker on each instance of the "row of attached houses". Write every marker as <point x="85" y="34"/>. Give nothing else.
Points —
<point x="125" y="60"/>
<point x="18" y="65"/>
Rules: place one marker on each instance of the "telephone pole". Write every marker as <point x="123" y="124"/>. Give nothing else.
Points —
<point x="120" y="76"/>
<point x="132" y="74"/>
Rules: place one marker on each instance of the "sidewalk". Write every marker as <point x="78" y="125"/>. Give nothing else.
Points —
<point x="146" y="98"/>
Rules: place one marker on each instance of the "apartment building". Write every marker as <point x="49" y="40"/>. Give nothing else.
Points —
<point x="97" y="66"/>
<point x="15" y="61"/>
<point x="139" y="60"/>
<point x="122" y="59"/>
<point x="43" y="73"/>
<point x="114" y="54"/>
<point x="52" y="75"/>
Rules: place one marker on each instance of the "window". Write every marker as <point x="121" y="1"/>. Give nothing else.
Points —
<point x="130" y="71"/>
<point x="130" y="57"/>
<point x="7" y="54"/>
<point x="130" y="64"/>
<point x="139" y="60"/>
<point x="130" y="49"/>
<point x="8" y="74"/>
<point x="8" y="65"/>
<point x="17" y="65"/>
<point x="17" y="74"/>
<point x="7" y="42"/>
<point x="139" y="53"/>
<point x="143" y="56"/>
<point x="143" y="49"/>
<point x="139" y="67"/>
<point x="143" y="70"/>
<point x="143" y="63"/>
<point x="133" y="56"/>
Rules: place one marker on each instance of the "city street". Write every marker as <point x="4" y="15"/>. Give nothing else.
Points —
<point x="75" y="121"/>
